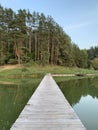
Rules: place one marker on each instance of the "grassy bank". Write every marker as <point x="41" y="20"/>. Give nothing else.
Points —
<point x="34" y="71"/>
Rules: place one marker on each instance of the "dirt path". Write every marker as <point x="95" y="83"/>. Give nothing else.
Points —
<point x="6" y="67"/>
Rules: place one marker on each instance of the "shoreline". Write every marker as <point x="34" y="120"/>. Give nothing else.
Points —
<point x="69" y="75"/>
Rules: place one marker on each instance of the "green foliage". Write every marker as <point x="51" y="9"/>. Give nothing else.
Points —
<point x="76" y="55"/>
<point x="30" y="64"/>
<point x="95" y="63"/>
<point x="92" y="52"/>
<point x="84" y="59"/>
<point x="12" y="61"/>
<point x="24" y="69"/>
<point x="26" y="36"/>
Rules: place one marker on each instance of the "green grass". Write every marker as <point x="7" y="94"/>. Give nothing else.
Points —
<point x="40" y="71"/>
<point x="68" y="78"/>
<point x="46" y="69"/>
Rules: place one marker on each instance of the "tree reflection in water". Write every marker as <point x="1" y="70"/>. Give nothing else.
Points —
<point x="82" y="94"/>
<point x="75" y="89"/>
<point x="13" y="98"/>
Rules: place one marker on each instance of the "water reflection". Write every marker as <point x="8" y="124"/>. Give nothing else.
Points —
<point x="82" y="94"/>
<point x="75" y="89"/>
<point x="87" y="110"/>
<point x="13" y="98"/>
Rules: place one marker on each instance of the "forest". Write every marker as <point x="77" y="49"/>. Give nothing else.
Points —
<point x="26" y="36"/>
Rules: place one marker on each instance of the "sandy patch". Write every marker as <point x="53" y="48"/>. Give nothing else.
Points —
<point x="5" y="67"/>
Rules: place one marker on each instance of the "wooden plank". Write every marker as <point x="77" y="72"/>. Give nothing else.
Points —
<point x="48" y="109"/>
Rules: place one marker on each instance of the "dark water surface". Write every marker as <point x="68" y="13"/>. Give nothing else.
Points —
<point x="82" y="94"/>
<point x="13" y="98"/>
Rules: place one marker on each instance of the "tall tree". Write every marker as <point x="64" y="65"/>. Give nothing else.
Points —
<point x="76" y="55"/>
<point x="33" y="36"/>
<point x="84" y="57"/>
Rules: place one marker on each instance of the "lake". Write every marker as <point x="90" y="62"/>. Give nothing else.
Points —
<point x="82" y="94"/>
<point x="13" y="98"/>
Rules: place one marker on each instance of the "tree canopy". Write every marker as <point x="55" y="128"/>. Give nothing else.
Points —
<point x="26" y="36"/>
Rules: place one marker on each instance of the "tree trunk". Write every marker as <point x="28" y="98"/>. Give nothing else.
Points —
<point x="38" y="50"/>
<point x="48" y="46"/>
<point x="18" y="50"/>
<point x="35" y="46"/>
<point x="30" y="40"/>
<point x="52" y="51"/>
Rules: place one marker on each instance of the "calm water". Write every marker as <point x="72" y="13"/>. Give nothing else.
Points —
<point x="82" y="94"/>
<point x="13" y="99"/>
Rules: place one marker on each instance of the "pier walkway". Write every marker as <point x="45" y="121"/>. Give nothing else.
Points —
<point x="48" y="109"/>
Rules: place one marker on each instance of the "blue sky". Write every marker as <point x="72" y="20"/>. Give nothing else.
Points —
<point x="79" y="18"/>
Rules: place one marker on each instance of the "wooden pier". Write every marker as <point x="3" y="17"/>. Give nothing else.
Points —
<point x="48" y="109"/>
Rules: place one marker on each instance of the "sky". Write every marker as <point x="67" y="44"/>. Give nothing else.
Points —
<point x="78" y="18"/>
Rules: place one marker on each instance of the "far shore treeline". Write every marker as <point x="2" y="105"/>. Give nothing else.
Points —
<point x="26" y="36"/>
